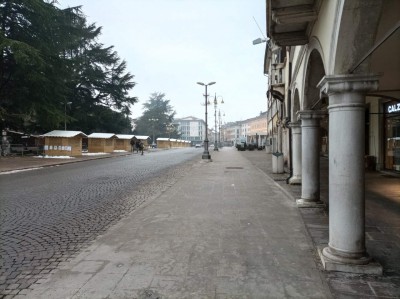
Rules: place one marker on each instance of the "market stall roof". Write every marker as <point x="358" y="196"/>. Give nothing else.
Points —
<point x="142" y="137"/>
<point x="162" y="139"/>
<point x="22" y="134"/>
<point x="102" y="135"/>
<point x="125" y="136"/>
<point x="65" y="134"/>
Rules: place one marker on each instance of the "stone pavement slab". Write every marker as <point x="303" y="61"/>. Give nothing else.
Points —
<point x="225" y="230"/>
<point x="382" y="198"/>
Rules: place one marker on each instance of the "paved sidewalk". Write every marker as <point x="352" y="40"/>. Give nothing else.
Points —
<point x="225" y="230"/>
<point x="179" y="246"/>
<point x="382" y="209"/>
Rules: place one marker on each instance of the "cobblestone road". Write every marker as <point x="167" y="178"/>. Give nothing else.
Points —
<point x="48" y="215"/>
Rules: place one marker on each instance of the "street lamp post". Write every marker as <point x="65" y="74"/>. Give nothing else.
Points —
<point x="65" y="114"/>
<point x="219" y="128"/>
<point x="169" y="128"/>
<point x="215" y="118"/>
<point x="153" y="120"/>
<point x="206" y="154"/>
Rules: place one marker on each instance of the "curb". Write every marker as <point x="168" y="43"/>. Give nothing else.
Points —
<point x="64" y="163"/>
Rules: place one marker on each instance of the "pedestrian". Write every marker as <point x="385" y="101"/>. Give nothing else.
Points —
<point x="132" y="145"/>
<point x="141" y="147"/>
<point x="137" y="145"/>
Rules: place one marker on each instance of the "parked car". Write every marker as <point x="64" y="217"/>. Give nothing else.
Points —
<point x="251" y="146"/>
<point x="241" y="146"/>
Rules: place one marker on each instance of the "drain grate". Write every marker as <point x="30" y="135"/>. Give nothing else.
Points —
<point x="148" y="294"/>
<point x="234" y="167"/>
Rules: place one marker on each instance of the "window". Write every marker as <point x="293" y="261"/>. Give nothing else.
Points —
<point x="392" y="136"/>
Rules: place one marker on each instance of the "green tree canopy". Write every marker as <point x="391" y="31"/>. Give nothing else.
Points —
<point x="157" y="118"/>
<point x="50" y="57"/>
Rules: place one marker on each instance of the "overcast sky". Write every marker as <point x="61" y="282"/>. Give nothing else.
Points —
<point x="169" y="45"/>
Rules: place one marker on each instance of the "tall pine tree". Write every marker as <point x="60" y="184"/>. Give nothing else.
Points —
<point x="157" y="118"/>
<point x="51" y="57"/>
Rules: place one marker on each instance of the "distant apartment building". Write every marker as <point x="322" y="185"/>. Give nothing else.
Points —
<point x="191" y="129"/>
<point x="257" y="129"/>
<point x="230" y="133"/>
<point x="252" y="130"/>
<point x="244" y="126"/>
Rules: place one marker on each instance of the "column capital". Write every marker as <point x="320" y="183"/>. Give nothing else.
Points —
<point x="311" y="114"/>
<point x="359" y="83"/>
<point x="295" y="125"/>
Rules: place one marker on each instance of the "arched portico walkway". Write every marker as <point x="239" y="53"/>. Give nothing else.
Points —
<point x="346" y="250"/>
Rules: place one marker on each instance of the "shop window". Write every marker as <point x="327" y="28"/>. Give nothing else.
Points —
<point x="392" y="136"/>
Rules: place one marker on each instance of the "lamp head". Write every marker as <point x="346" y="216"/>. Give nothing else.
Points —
<point x="259" y="41"/>
<point x="211" y="83"/>
<point x="200" y="83"/>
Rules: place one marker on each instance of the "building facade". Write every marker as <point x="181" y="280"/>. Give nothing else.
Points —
<point x="252" y="130"/>
<point x="257" y="129"/>
<point x="191" y="129"/>
<point x="230" y="133"/>
<point x="340" y="98"/>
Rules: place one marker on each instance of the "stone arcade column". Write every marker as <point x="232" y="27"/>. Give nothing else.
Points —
<point x="346" y="251"/>
<point x="296" y="154"/>
<point x="310" y="181"/>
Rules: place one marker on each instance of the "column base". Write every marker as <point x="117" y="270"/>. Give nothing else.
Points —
<point x="277" y="163"/>
<point x="304" y="203"/>
<point x="206" y="156"/>
<point x="296" y="180"/>
<point x="363" y="265"/>
<point x="206" y="160"/>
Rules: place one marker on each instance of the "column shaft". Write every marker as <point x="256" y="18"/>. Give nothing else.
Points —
<point x="310" y="160"/>
<point x="346" y="178"/>
<point x="296" y="154"/>
<point x="310" y="170"/>
<point x="346" y="250"/>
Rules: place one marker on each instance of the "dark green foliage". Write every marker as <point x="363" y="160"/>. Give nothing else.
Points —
<point x="157" y="118"/>
<point x="50" y="57"/>
<point x="101" y="119"/>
